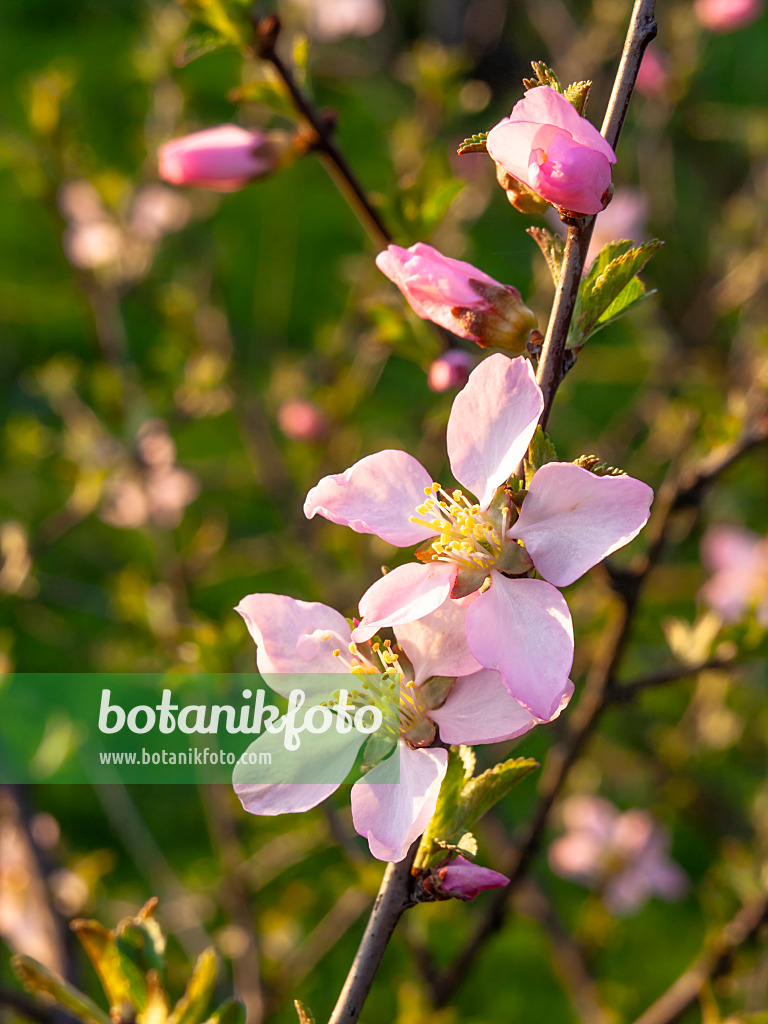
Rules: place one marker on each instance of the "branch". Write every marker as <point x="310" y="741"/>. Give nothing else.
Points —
<point x="642" y="29"/>
<point x="393" y="899"/>
<point x="715" y="961"/>
<point x="623" y="692"/>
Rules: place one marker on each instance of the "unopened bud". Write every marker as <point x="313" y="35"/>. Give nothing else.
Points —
<point x="450" y="371"/>
<point x="503" y="321"/>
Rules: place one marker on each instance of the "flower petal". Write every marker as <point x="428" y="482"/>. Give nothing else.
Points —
<point x="376" y="495"/>
<point x="283" y="799"/>
<point x="571" y="519"/>
<point x="409" y="592"/>
<point x="392" y="807"/>
<point x="479" y="709"/>
<point x="491" y="423"/>
<point x="436" y="644"/>
<point x="543" y="105"/>
<point x="523" y="629"/>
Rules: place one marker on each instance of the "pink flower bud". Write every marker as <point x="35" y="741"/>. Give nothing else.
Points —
<point x="549" y="147"/>
<point x="464" y="880"/>
<point x="301" y="420"/>
<point x="458" y="296"/>
<point x="727" y="15"/>
<point x="450" y="370"/>
<point x="224" y="158"/>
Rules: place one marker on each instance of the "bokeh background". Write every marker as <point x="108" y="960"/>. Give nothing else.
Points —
<point x="179" y="367"/>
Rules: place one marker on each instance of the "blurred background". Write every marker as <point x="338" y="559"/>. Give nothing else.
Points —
<point x="179" y="367"/>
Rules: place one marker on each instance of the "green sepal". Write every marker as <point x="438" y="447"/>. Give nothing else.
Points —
<point x="434" y="693"/>
<point x="594" y="465"/>
<point x="192" y="1006"/>
<point x="552" y="247"/>
<point x="379" y="746"/>
<point x="42" y="982"/>
<point x="540" y="452"/>
<point x="610" y="288"/>
<point x="544" y="76"/>
<point x="304" y="1012"/>
<point x="474" y="144"/>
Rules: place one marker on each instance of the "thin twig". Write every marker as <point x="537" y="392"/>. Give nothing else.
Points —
<point x="714" y="961"/>
<point x="642" y="29"/>
<point x="393" y="899"/>
<point x="622" y="692"/>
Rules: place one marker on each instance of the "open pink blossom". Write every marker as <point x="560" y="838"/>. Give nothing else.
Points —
<point x="738" y="561"/>
<point x="549" y="147"/>
<point x="570" y="520"/>
<point x="464" y="880"/>
<point x="308" y="645"/>
<point x="624" y="856"/>
<point x="224" y="159"/>
<point x="727" y="15"/>
<point x="458" y="296"/>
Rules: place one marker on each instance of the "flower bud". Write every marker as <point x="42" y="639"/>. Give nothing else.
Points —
<point x="519" y="194"/>
<point x="458" y="296"/>
<point x="555" y="152"/>
<point x="450" y="371"/>
<point x="727" y="15"/>
<point x="464" y="880"/>
<point x="225" y="158"/>
<point x="301" y="420"/>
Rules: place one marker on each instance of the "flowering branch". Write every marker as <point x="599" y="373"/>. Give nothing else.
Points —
<point x="715" y="961"/>
<point x="642" y="29"/>
<point x="393" y="899"/>
<point x="267" y="30"/>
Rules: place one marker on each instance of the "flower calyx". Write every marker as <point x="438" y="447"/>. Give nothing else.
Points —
<point x="502" y="321"/>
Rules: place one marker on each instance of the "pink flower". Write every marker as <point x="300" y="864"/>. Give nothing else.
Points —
<point x="301" y="420"/>
<point x="624" y="218"/>
<point x="624" y="856"/>
<point x="738" y="561"/>
<point x="450" y="370"/>
<point x="727" y="15"/>
<point x="224" y="158"/>
<point x="557" y="153"/>
<point x="570" y="520"/>
<point x="334" y="19"/>
<point x="653" y="76"/>
<point x="458" y="296"/>
<point x="464" y="880"/>
<point x="308" y="645"/>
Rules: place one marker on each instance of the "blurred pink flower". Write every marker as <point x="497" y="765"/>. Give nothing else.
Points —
<point x="450" y="370"/>
<point x="624" y="218"/>
<point x="570" y="520"/>
<point x="464" y="880"/>
<point x="738" y="561"/>
<point x="727" y="15"/>
<point x="155" y="491"/>
<point x="557" y="153"/>
<point x="225" y="158"/>
<point x="334" y="19"/>
<point x="458" y="296"/>
<point x="308" y="645"/>
<point x="653" y="76"/>
<point x="301" y="420"/>
<point x="157" y="211"/>
<point x="624" y="856"/>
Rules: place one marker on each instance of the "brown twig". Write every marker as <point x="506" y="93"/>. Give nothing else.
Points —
<point x="623" y="692"/>
<point x="714" y="961"/>
<point x="642" y="29"/>
<point x="393" y="899"/>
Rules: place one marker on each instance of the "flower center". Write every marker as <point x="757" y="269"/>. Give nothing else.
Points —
<point x="467" y="536"/>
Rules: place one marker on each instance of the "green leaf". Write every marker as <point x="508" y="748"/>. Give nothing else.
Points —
<point x="42" y="982"/>
<point x="198" y="44"/>
<point x="540" y="452"/>
<point x="610" y="288"/>
<point x="439" y="201"/>
<point x="544" y="76"/>
<point x="142" y="943"/>
<point x="304" y="1012"/>
<point x="120" y="978"/>
<point x="230" y="1012"/>
<point x="552" y="247"/>
<point x="578" y="93"/>
<point x="445" y="825"/>
<point x="214" y="14"/>
<point x="594" y="465"/>
<point x="483" y="791"/>
<point x="267" y="92"/>
<point x="193" y="1004"/>
<point x="474" y="144"/>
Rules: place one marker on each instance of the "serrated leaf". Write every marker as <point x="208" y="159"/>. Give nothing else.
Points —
<point x="230" y="1012"/>
<point x="552" y="247"/>
<point x="121" y="980"/>
<point x="199" y="44"/>
<point x="193" y="1004"/>
<point x="577" y="93"/>
<point x="540" y="452"/>
<point x="594" y="465"/>
<point x="610" y="288"/>
<point x="482" y="792"/>
<point x="42" y="982"/>
<point x="544" y="76"/>
<point x="304" y="1012"/>
<point x="439" y="201"/>
<point x="474" y="144"/>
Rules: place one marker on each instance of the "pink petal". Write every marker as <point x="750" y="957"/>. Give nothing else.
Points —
<point x="592" y="814"/>
<point x="576" y="855"/>
<point x="729" y="547"/>
<point x="283" y="798"/>
<point x="571" y="176"/>
<point x="523" y="629"/>
<point x="436" y="645"/>
<point x="376" y="495"/>
<point x="491" y="423"/>
<point x="572" y="519"/>
<point x="465" y="880"/>
<point x="543" y="105"/>
<point x="432" y="283"/>
<point x="479" y="709"/>
<point x="290" y="634"/>
<point x="392" y="808"/>
<point x="409" y="592"/>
